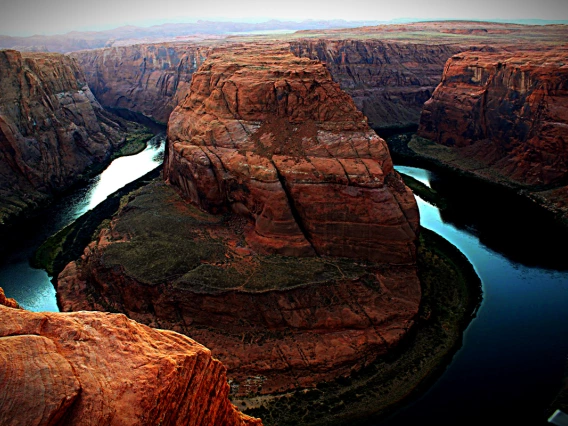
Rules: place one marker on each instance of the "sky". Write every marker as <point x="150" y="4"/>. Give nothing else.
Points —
<point x="28" y="17"/>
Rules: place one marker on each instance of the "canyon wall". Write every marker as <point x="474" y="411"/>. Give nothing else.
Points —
<point x="508" y="111"/>
<point x="151" y="79"/>
<point x="52" y="130"/>
<point x="388" y="81"/>
<point x="283" y="239"/>
<point x="92" y="368"/>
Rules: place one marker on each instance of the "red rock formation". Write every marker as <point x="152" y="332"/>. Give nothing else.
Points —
<point x="277" y="322"/>
<point x="273" y="138"/>
<point x="5" y="301"/>
<point x="151" y="79"/>
<point x="51" y="128"/>
<point x="92" y="368"/>
<point x="508" y="111"/>
<point x="271" y="142"/>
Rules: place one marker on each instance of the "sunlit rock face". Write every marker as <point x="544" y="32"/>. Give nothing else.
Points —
<point x="52" y="129"/>
<point x="508" y="111"/>
<point x="92" y="368"/>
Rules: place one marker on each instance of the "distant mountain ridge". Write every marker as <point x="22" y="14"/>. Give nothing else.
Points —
<point x="75" y="40"/>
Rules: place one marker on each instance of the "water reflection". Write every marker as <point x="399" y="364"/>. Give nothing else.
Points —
<point x="514" y="352"/>
<point x="31" y="287"/>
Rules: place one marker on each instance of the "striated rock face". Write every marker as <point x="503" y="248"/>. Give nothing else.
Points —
<point x="151" y="79"/>
<point x="388" y="81"/>
<point x="92" y="368"/>
<point x="508" y="111"/>
<point x="51" y="128"/>
<point x="271" y="137"/>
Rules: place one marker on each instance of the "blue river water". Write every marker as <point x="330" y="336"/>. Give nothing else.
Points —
<point x="514" y="352"/>
<point x="31" y="287"/>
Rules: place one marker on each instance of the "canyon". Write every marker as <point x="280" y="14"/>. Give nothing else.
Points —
<point x="280" y="236"/>
<point x="52" y="129"/>
<point x="255" y="153"/>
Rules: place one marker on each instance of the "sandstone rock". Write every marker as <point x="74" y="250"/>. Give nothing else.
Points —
<point x="273" y="138"/>
<point x="51" y="128"/>
<point x="91" y="368"/>
<point x="388" y="81"/>
<point x="5" y="301"/>
<point x="508" y="111"/>
<point x="277" y="322"/>
<point x="151" y="79"/>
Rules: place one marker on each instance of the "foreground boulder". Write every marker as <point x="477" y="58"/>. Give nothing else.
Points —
<point x="52" y="130"/>
<point x="509" y="112"/>
<point x="92" y="368"/>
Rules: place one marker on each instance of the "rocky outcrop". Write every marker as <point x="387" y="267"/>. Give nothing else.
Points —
<point x="151" y="79"/>
<point x="91" y="368"/>
<point x="507" y="111"/>
<point x="272" y="137"/>
<point x="299" y="265"/>
<point x="276" y="322"/>
<point x="388" y="81"/>
<point x="52" y="130"/>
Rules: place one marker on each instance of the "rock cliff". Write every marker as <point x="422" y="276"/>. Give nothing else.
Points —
<point x="295" y="259"/>
<point x="508" y="111"/>
<point x="151" y="79"/>
<point x="388" y="81"/>
<point x="52" y="130"/>
<point x="273" y="138"/>
<point x="92" y="368"/>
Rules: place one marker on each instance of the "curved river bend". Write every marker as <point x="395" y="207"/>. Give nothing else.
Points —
<point x="514" y="351"/>
<point x="32" y="288"/>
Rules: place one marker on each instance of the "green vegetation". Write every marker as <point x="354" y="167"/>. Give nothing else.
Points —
<point x="451" y="294"/>
<point x="135" y="143"/>
<point x="194" y="254"/>
<point x="68" y="244"/>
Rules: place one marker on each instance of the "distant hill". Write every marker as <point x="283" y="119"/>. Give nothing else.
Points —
<point x="74" y="40"/>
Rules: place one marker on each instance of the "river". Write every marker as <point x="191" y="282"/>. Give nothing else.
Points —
<point x="514" y="351"/>
<point x="31" y="287"/>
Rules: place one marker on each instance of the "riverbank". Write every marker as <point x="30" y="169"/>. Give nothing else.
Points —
<point x="451" y="294"/>
<point x="135" y="141"/>
<point x="412" y="150"/>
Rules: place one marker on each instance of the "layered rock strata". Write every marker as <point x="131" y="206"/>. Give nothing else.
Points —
<point x="51" y="128"/>
<point x="151" y="79"/>
<point x="91" y="368"/>
<point x="271" y="137"/>
<point x="509" y="112"/>
<point x="294" y="260"/>
<point x="388" y="81"/>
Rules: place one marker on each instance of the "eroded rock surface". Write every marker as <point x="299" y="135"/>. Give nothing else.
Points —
<point x="507" y="111"/>
<point x="151" y="79"/>
<point x="92" y="368"/>
<point x="273" y="138"/>
<point x="51" y="128"/>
